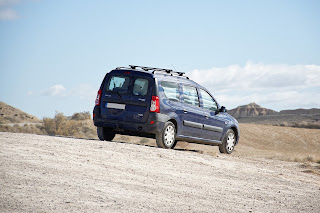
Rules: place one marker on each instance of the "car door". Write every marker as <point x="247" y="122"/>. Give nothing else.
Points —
<point x="192" y="115"/>
<point x="126" y="98"/>
<point x="213" y="123"/>
<point x="138" y="106"/>
<point x="114" y="96"/>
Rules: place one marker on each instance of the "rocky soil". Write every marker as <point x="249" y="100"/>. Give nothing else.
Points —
<point x="56" y="174"/>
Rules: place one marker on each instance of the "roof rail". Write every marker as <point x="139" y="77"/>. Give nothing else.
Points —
<point x="155" y="70"/>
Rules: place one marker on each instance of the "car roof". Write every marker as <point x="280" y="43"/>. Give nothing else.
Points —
<point x="158" y="73"/>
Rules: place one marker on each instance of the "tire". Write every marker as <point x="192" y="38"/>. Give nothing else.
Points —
<point x="228" y="142"/>
<point x="105" y="134"/>
<point x="166" y="138"/>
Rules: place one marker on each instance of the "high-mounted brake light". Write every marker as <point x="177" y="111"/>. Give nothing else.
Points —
<point x="155" y="104"/>
<point x="98" y="98"/>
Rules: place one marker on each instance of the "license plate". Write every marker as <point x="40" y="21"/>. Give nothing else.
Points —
<point x="115" y="106"/>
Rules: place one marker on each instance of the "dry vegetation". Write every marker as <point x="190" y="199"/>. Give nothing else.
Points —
<point x="23" y="128"/>
<point x="9" y="114"/>
<point x="79" y="125"/>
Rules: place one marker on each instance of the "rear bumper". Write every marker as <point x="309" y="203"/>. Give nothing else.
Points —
<point x="130" y="128"/>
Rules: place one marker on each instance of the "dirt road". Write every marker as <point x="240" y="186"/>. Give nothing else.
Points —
<point x="54" y="174"/>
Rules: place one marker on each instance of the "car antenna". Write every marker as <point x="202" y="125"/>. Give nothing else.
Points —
<point x="174" y="68"/>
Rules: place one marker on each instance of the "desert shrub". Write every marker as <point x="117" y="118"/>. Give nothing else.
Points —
<point x="314" y="125"/>
<point x="59" y="125"/>
<point x="309" y="159"/>
<point x="56" y="125"/>
<point x="12" y="119"/>
<point x="49" y="126"/>
<point x="77" y="126"/>
<point x="285" y="124"/>
<point x="81" y="116"/>
<point x="27" y="128"/>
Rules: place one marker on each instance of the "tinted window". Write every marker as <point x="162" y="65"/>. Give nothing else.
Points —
<point x="171" y="90"/>
<point x="190" y="95"/>
<point x="119" y="84"/>
<point x="140" y="87"/>
<point x="208" y="102"/>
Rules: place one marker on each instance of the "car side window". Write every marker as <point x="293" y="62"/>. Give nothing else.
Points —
<point x="208" y="102"/>
<point x="171" y="90"/>
<point x="190" y="95"/>
<point x="140" y="87"/>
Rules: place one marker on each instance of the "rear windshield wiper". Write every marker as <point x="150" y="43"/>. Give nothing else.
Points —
<point x="118" y="93"/>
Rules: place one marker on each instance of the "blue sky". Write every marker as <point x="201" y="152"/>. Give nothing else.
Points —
<point x="54" y="54"/>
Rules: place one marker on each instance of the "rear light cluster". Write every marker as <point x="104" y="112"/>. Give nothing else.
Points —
<point x="155" y="104"/>
<point x="98" y="98"/>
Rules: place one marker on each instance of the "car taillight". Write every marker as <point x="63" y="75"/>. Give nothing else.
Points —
<point x="98" y="97"/>
<point x="155" y="104"/>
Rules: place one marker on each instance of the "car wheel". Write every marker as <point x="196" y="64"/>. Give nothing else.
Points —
<point x="228" y="142"/>
<point x="167" y="137"/>
<point x="105" y="134"/>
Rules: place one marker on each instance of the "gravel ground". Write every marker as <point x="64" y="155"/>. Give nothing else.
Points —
<point x="55" y="174"/>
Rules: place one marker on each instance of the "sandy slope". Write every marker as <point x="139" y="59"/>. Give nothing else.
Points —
<point x="275" y="142"/>
<point x="54" y="174"/>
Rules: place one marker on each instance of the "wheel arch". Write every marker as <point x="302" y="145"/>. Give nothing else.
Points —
<point x="174" y="123"/>
<point x="236" y="131"/>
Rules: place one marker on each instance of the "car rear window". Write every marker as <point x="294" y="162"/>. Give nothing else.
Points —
<point x="119" y="84"/>
<point x="140" y="87"/>
<point x="171" y="90"/>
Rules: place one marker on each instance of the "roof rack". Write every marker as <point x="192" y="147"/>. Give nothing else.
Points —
<point x="155" y="70"/>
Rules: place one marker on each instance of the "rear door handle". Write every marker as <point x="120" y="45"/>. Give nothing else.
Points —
<point x="185" y="111"/>
<point x="207" y="116"/>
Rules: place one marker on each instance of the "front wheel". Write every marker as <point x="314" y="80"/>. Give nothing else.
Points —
<point x="105" y="134"/>
<point x="166" y="138"/>
<point x="228" y="142"/>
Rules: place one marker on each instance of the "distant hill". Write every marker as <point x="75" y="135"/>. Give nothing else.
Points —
<point x="253" y="113"/>
<point x="251" y="110"/>
<point x="9" y="114"/>
<point x="300" y="112"/>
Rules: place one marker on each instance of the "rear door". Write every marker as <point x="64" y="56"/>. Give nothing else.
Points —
<point x="126" y="97"/>
<point x="192" y="115"/>
<point x="138" y="107"/>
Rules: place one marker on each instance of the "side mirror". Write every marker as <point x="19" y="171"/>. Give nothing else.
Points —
<point x="223" y="109"/>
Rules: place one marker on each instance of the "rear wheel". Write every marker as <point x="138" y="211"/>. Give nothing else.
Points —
<point x="166" y="138"/>
<point x="105" y="134"/>
<point x="228" y="142"/>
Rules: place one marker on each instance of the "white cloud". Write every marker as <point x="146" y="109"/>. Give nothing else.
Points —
<point x="8" y="14"/>
<point x="277" y="86"/>
<point x="81" y="91"/>
<point x="8" y="2"/>
<point x="258" y="76"/>
<point x="273" y="100"/>
<point x="84" y="91"/>
<point x="57" y="90"/>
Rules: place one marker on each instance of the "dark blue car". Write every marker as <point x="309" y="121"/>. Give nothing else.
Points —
<point x="161" y="104"/>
